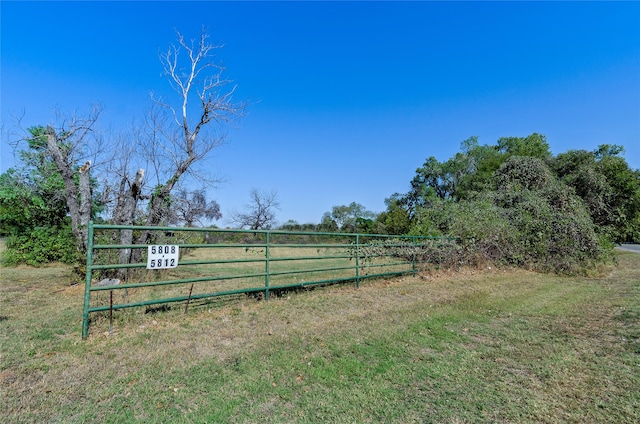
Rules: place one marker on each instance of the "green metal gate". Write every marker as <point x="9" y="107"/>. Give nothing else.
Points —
<point x="191" y="264"/>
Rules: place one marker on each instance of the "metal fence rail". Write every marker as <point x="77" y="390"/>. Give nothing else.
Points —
<point x="201" y="263"/>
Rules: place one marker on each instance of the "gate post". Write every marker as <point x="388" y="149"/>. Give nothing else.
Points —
<point x="87" y="282"/>
<point x="357" y="261"/>
<point x="266" y="266"/>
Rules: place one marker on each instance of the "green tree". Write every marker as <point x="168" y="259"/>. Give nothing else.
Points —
<point x="32" y="195"/>
<point x="25" y="205"/>
<point x="625" y="184"/>
<point x="367" y="226"/>
<point x="328" y="224"/>
<point x="608" y="186"/>
<point x="534" y="145"/>
<point x="469" y="171"/>
<point x="396" y="219"/>
<point x="33" y="208"/>
<point x="438" y="179"/>
<point x="482" y="162"/>
<point x="346" y="216"/>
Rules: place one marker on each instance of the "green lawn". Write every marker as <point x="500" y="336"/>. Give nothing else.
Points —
<point x="492" y="346"/>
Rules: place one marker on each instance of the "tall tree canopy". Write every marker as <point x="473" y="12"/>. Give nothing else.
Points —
<point x="471" y="170"/>
<point x="350" y="218"/>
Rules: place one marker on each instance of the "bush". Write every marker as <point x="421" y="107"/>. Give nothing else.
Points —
<point x="530" y="220"/>
<point x="554" y="230"/>
<point x="484" y="234"/>
<point x="40" y="246"/>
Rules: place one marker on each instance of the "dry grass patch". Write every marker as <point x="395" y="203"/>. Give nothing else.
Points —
<point x="487" y="346"/>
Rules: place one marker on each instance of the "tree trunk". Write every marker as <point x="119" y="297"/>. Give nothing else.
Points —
<point x="125" y="211"/>
<point x="78" y="197"/>
<point x="159" y="199"/>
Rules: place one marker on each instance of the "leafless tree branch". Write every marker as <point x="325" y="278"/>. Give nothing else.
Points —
<point x="259" y="213"/>
<point x="204" y="105"/>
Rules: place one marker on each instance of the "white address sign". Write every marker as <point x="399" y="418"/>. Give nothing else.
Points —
<point x="161" y="256"/>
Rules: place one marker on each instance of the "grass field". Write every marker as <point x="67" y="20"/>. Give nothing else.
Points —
<point x="492" y="346"/>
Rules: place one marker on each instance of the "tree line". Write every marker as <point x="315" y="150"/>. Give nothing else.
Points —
<point x="515" y="203"/>
<point x="601" y="178"/>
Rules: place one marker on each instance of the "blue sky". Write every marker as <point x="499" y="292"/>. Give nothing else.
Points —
<point x="347" y="98"/>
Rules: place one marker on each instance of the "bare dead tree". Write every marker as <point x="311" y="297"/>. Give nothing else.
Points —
<point x="194" y="130"/>
<point x="123" y="192"/>
<point x="259" y="213"/>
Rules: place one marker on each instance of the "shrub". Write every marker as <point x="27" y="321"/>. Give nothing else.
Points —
<point x="483" y="233"/>
<point x="40" y="246"/>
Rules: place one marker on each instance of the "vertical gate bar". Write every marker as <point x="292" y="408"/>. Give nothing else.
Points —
<point x="266" y="266"/>
<point x="415" y="253"/>
<point x="357" y="260"/>
<point x="189" y="298"/>
<point x="87" y="282"/>
<point x="110" y="311"/>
